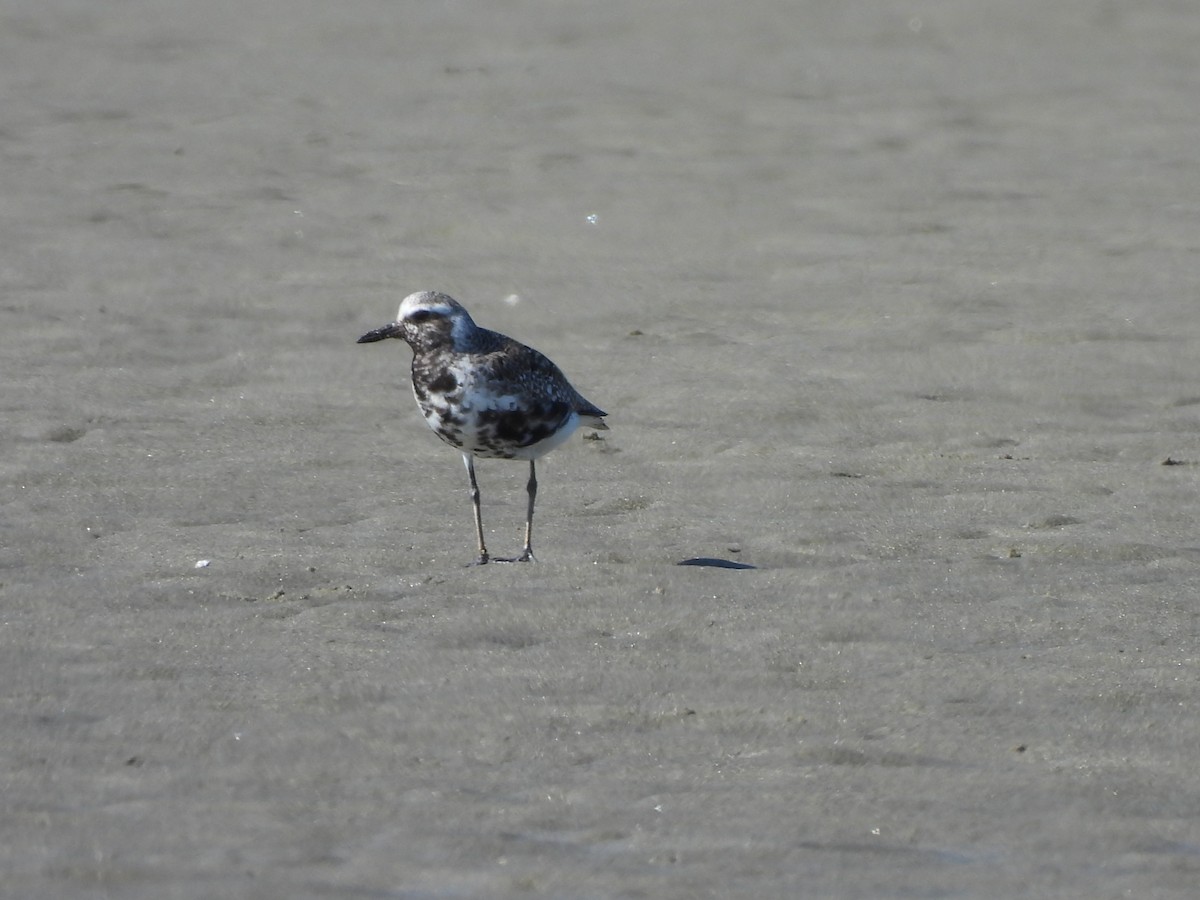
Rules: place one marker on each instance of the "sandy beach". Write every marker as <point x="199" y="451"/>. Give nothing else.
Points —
<point x="894" y="305"/>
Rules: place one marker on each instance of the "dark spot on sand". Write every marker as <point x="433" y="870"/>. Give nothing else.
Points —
<point x="714" y="563"/>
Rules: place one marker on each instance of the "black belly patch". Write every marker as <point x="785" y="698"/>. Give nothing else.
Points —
<point x="513" y="429"/>
<point x="444" y="383"/>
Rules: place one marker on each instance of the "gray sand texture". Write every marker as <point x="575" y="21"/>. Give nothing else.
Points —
<point x="893" y="304"/>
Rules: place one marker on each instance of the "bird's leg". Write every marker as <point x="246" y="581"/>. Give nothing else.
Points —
<point x="483" y="554"/>
<point x="531" y="487"/>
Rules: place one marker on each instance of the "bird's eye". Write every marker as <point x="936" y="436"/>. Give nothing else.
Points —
<point x="420" y="315"/>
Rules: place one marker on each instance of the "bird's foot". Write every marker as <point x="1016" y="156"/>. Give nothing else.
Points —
<point x="526" y="556"/>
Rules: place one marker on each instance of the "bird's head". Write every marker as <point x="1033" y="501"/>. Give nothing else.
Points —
<point x="426" y="320"/>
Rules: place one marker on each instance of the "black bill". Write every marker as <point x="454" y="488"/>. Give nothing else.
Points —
<point x="379" y="334"/>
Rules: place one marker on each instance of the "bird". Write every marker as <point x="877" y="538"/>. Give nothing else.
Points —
<point x="486" y="394"/>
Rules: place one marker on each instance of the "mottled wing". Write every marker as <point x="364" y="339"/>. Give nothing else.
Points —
<point x="530" y="397"/>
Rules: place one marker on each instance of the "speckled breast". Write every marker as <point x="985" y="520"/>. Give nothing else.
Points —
<point x="487" y="421"/>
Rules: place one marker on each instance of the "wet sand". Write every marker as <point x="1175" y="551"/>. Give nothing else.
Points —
<point x="897" y="305"/>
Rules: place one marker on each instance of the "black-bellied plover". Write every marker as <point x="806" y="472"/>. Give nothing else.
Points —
<point x="486" y="394"/>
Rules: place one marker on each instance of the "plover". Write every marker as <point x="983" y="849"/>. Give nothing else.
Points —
<point x="486" y="394"/>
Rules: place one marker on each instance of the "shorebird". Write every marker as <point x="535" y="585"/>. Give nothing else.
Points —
<point x="486" y="394"/>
